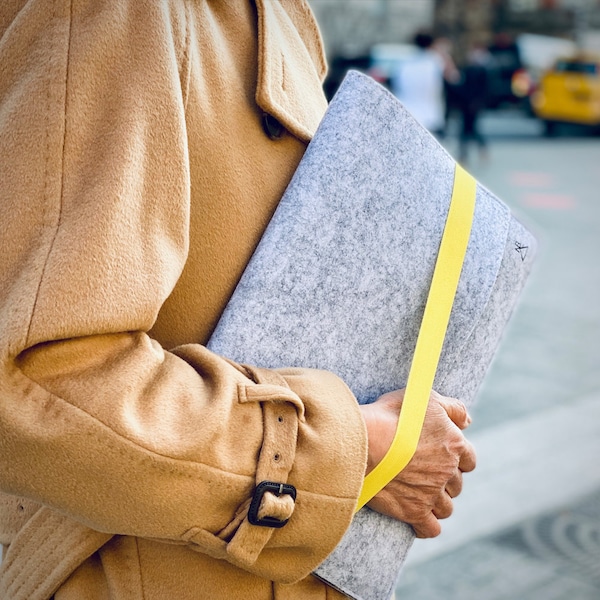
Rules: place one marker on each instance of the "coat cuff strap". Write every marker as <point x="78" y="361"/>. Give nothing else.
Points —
<point x="273" y="499"/>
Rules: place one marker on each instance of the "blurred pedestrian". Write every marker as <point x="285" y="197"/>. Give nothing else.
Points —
<point x="472" y="100"/>
<point x="451" y="77"/>
<point x="419" y="84"/>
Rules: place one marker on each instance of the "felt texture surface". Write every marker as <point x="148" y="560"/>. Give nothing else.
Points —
<point x="340" y="279"/>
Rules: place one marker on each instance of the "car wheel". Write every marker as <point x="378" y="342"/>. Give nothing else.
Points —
<point x="550" y="128"/>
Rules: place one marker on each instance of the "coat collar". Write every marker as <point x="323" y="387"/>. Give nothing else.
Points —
<point x="290" y="68"/>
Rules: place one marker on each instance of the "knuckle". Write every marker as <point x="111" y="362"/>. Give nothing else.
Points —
<point x="416" y="515"/>
<point x="435" y="396"/>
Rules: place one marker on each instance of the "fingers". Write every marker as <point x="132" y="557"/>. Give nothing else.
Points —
<point x="459" y="415"/>
<point x="428" y="527"/>
<point x="457" y="411"/>
<point x="454" y="485"/>
<point x="443" y="507"/>
<point x="468" y="459"/>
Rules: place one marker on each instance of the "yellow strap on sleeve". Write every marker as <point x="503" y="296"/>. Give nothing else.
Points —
<point x="446" y="274"/>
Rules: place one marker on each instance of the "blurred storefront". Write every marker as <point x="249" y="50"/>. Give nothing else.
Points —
<point x="525" y="36"/>
<point x="351" y="27"/>
<point x="466" y="21"/>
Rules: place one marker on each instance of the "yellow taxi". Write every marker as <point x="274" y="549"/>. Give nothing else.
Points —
<point x="569" y="93"/>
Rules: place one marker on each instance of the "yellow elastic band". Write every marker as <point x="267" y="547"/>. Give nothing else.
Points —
<point x="431" y="336"/>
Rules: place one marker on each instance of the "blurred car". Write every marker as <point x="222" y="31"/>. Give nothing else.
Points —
<point x="516" y="66"/>
<point x="505" y="64"/>
<point x="570" y="93"/>
<point x="385" y="60"/>
<point x="380" y="63"/>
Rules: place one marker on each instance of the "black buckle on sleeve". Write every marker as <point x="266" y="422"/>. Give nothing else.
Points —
<point x="279" y="489"/>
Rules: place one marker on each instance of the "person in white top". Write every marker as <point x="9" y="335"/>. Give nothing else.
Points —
<point x="419" y="84"/>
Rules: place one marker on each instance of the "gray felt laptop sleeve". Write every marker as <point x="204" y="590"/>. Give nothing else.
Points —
<point x="340" y="279"/>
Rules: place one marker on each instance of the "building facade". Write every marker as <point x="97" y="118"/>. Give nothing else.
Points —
<point x="351" y="27"/>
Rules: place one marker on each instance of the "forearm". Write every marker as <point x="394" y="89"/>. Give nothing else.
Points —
<point x="135" y="441"/>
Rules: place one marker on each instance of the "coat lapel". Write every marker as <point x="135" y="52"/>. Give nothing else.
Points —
<point x="289" y="74"/>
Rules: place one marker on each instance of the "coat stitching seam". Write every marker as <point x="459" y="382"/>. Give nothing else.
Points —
<point x="46" y="171"/>
<point x="186" y="63"/>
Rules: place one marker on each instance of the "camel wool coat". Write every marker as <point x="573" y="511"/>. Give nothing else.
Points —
<point x="144" y="145"/>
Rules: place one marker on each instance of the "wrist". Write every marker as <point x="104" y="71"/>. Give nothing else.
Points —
<point x="381" y="419"/>
<point x="367" y="413"/>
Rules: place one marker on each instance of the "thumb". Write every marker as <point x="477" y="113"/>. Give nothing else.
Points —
<point x="456" y="410"/>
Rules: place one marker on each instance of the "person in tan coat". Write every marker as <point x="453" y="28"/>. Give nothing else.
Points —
<point x="144" y="146"/>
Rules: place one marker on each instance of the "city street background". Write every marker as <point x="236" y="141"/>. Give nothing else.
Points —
<point x="527" y="526"/>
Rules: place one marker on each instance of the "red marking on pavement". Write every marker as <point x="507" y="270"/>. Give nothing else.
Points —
<point x="553" y="201"/>
<point x="531" y="179"/>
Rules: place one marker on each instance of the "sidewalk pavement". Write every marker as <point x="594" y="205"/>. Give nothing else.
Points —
<point x="555" y="556"/>
<point x="528" y="523"/>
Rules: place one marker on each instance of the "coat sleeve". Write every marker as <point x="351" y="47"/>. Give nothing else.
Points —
<point x="97" y="420"/>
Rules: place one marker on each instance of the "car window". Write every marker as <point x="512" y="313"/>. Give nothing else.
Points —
<point x="565" y="66"/>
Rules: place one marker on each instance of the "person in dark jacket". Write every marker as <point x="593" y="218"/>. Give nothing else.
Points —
<point x="472" y="95"/>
